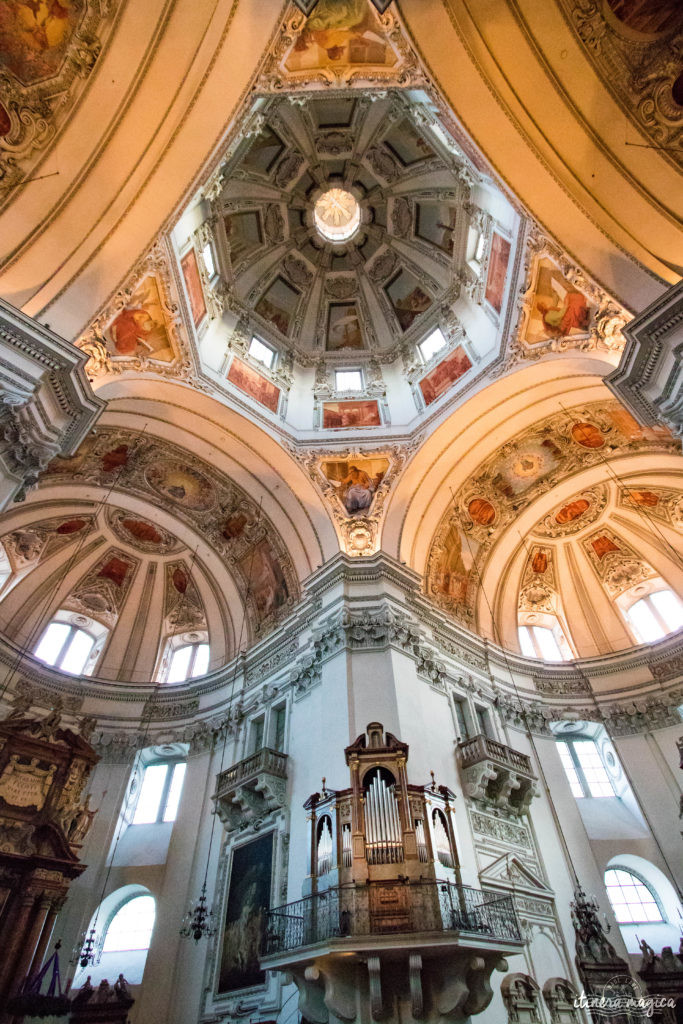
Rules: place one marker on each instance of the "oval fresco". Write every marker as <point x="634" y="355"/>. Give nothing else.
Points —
<point x="572" y="511"/>
<point x="587" y="435"/>
<point x="182" y="484"/>
<point x="481" y="511"/>
<point x="140" y="529"/>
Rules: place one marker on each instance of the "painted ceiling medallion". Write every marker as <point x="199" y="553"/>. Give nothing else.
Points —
<point x="337" y="215"/>
<point x="140" y="533"/>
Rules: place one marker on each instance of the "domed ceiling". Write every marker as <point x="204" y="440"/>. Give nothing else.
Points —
<point x="150" y="542"/>
<point x="582" y="549"/>
<point x="400" y="180"/>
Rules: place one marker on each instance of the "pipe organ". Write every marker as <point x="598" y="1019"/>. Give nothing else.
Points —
<point x="381" y="828"/>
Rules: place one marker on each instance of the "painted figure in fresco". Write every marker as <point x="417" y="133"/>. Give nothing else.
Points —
<point x="572" y="511"/>
<point x="568" y="312"/>
<point x="131" y="328"/>
<point x="334" y="22"/>
<point x="357" y="490"/>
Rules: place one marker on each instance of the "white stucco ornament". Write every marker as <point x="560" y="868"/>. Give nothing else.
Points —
<point x="337" y="215"/>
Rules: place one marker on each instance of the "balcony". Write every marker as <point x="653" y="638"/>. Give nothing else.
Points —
<point x="248" y="792"/>
<point x="445" y="939"/>
<point x="496" y="774"/>
<point x="353" y="912"/>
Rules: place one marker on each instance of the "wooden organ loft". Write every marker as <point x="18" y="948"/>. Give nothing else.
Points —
<point x="385" y="917"/>
<point x="381" y="829"/>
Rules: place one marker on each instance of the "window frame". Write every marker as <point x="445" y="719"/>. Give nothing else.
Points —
<point x="170" y="765"/>
<point x="73" y="630"/>
<point x="278" y="737"/>
<point x="266" y="345"/>
<point x="570" y="744"/>
<point x="348" y="369"/>
<point x="558" y="635"/>
<point x="173" y="650"/>
<point x="427" y="359"/>
<point x="256" y="734"/>
<point x="663" y="919"/>
<point x="212" y="277"/>
<point x="461" y="711"/>
<point x="115" y="912"/>
<point x="646" y="600"/>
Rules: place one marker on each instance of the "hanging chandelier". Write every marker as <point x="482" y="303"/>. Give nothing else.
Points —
<point x="86" y="951"/>
<point x="199" y="921"/>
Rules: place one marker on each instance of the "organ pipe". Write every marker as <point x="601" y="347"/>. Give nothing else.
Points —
<point x="383" y="826"/>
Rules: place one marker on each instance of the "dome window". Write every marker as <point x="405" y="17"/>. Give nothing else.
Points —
<point x="544" y="642"/>
<point x="209" y="261"/>
<point x="263" y="353"/>
<point x="432" y="344"/>
<point x="348" y="380"/>
<point x="633" y="902"/>
<point x="655" y="616"/>
<point x="67" y="646"/>
<point x="188" y="662"/>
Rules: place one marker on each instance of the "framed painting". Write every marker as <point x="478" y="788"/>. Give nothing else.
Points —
<point x="139" y="330"/>
<point x="253" y="384"/>
<point x="435" y="223"/>
<point x="498" y="268"/>
<point x="343" y="327"/>
<point x="261" y="567"/>
<point x="278" y="304"/>
<point x="364" y="413"/>
<point x="355" y="481"/>
<point x="405" y="142"/>
<point x="557" y="308"/>
<point x="188" y="265"/>
<point x="340" y="35"/>
<point x="264" y="152"/>
<point x="248" y="901"/>
<point x="244" y="233"/>
<point x="408" y="299"/>
<point x="445" y="374"/>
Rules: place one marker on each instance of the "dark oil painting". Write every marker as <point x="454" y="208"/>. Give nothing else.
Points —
<point x="248" y="901"/>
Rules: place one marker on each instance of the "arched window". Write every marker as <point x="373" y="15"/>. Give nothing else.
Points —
<point x="584" y="767"/>
<point x="187" y="662"/>
<point x="159" y="794"/>
<point x="131" y="926"/>
<point x="633" y="901"/>
<point x="123" y="923"/>
<point x="544" y="642"/>
<point x="656" y="615"/>
<point x="71" y="645"/>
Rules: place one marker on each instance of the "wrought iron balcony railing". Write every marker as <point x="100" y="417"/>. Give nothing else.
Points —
<point x="482" y="748"/>
<point x="390" y="909"/>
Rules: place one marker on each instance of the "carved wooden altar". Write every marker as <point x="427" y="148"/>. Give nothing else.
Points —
<point x="43" y="822"/>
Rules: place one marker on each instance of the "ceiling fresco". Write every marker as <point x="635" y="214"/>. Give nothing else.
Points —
<point x="48" y="50"/>
<point x="312" y="294"/>
<point x="633" y="46"/>
<point x="167" y="477"/>
<point x="142" y="328"/>
<point x="487" y="506"/>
